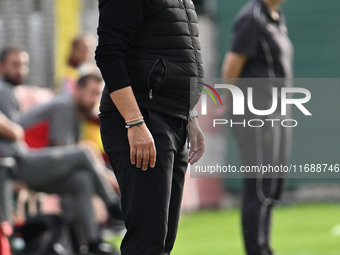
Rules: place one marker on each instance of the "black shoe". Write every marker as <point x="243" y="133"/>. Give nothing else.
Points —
<point x="101" y="248"/>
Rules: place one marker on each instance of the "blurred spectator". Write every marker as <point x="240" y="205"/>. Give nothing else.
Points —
<point x="62" y="170"/>
<point x="79" y="62"/>
<point x="63" y="116"/>
<point x="260" y="48"/>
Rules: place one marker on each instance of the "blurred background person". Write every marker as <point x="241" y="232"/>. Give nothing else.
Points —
<point x="61" y="170"/>
<point x="64" y="116"/>
<point x="260" y="48"/>
<point x="79" y="62"/>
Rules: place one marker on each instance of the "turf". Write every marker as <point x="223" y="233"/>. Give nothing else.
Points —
<point x="312" y="229"/>
<point x="309" y="229"/>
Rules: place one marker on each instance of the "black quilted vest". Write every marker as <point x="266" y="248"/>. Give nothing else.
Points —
<point x="166" y="54"/>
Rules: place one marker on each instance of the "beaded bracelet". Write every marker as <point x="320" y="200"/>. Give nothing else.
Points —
<point x="136" y="123"/>
<point x="134" y="120"/>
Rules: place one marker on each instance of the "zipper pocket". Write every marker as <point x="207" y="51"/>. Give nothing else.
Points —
<point x="157" y="76"/>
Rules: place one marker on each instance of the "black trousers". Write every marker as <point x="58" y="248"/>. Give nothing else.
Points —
<point x="261" y="145"/>
<point x="150" y="200"/>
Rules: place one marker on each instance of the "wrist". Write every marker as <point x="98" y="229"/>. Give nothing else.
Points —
<point x="136" y="123"/>
<point x="193" y="122"/>
<point x="133" y="120"/>
<point x="193" y="114"/>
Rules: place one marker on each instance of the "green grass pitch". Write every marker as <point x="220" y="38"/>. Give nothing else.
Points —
<point x="307" y="229"/>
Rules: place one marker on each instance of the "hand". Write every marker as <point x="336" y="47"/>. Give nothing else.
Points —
<point x="197" y="145"/>
<point x="142" y="147"/>
<point x="10" y="130"/>
<point x="19" y="133"/>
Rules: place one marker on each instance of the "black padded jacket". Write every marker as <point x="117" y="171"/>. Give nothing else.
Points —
<point x="152" y="46"/>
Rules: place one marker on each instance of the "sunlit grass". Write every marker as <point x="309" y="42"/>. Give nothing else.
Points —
<point x="309" y="229"/>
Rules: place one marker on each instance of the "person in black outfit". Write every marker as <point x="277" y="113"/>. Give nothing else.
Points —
<point x="260" y="48"/>
<point x="147" y="52"/>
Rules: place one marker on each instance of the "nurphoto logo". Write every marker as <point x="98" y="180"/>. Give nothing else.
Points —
<point x="281" y="99"/>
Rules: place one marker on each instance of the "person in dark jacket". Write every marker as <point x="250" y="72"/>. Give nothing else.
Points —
<point x="147" y="53"/>
<point x="261" y="51"/>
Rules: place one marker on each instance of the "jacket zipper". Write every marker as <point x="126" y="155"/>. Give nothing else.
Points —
<point x="152" y="68"/>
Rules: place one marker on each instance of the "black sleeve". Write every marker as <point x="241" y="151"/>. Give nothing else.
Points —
<point x="246" y="36"/>
<point x="119" y="21"/>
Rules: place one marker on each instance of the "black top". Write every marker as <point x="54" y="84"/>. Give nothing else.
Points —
<point x="119" y="22"/>
<point x="264" y="40"/>
<point x="153" y="47"/>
